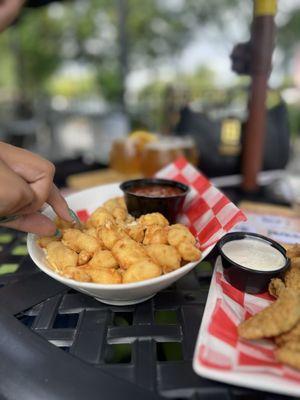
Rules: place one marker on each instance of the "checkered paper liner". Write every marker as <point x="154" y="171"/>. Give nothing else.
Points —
<point x="207" y="212"/>
<point x="220" y="354"/>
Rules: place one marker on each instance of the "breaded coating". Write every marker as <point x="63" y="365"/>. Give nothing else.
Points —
<point x="99" y="217"/>
<point x="141" y="270"/>
<point x="292" y="278"/>
<point x="276" y="286"/>
<point x="60" y="256"/>
<point x="103" y="259"/>
<point x="77" y="273"/>
<point x="164" y="255"/>
<point x="291" y="336"/>
<point x="280" y="317"/>
<point x="45" y="240"/>
<point x="156" y="234"/>
<point x="116" y="202"/>
<point x="188" y="251"/>
<point x="289" y="354"/>
<point x="77" y="241"/>
<point x="120" y="214"/>
<point x="105" y="276"/>
<point x="110" y="234"/>
<point x="293" y="250"/>
<point x="127" y="252"/>
<point x="92" y="232"/>
<point x="295" y="262"/>
<point x="135" y="231"/>
<point x="153" y="219"/>
<point x="178" y="234"/>
<point x="84" y="257"/>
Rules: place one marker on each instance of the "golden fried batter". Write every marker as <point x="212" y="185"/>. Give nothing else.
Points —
<point x="280" y="317"/>
<point x="293" y="250"/>
<point x="276" y="286"/>
<point x="116" y="202"/>
<point x="110" y="234"/>
<point x="156" y="234"/>
<point x="135" y="231"/>
<point x="289" y="354"/>
<point x="291" y="336"/>
<point x="292" y="278"/>
<point x="164" y="255"/>
<point x="105" y="276"/>
<point x="120" y="214"/>
<point x="84" y="257"/>
<point x="188" y="251"/>
<point x="60" y="257"/>
<point x="153" y="219"/>
<point x="103" y="259"/>
<point x="141" y="270"/>
<point x="77" y="241"/>
<point x="99" y="217"/>
<point x="127" y="252"/>
<point x="45" y="240"/>
<point x="92" y="232"/>
<point x="178" y="234"/>
<point x="77" y="273"/>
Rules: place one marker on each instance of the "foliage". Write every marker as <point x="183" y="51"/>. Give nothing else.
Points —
<point x="86" y="31"/>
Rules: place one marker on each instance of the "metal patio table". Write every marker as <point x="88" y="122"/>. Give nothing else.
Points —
<point x="56" y="343"/>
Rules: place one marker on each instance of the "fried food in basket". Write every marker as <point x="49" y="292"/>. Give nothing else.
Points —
<point x="113" y="247"/>
<point x="281" y="320"/>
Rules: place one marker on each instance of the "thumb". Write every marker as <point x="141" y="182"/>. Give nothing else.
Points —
<point x="34" y="223"/>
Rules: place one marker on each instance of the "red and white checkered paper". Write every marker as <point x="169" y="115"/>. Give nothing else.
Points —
<point x="242" y="361"/>
<point x="208" y="213"/>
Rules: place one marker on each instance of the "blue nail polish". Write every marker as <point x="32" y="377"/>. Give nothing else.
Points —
<point x="57" y="234"/>
<point x="74" y="216"/>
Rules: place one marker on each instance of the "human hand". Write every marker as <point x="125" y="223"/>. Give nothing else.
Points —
<point x="26" y="184"/>
<point x="9" y="10"/>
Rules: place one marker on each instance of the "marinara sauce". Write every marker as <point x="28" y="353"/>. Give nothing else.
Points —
<point x="157" y="191"/>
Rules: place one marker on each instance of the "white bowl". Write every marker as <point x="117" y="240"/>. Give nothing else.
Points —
<point x="124" y="294"/>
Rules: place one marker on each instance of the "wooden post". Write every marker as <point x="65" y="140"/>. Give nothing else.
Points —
<point x="262" y="44"/>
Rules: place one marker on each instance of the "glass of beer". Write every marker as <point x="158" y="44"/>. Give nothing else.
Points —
<point x="124" y="156"/>
<point x="157" y="155"/>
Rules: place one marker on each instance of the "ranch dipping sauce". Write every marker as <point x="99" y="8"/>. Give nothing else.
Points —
<point x="254" y="254"/>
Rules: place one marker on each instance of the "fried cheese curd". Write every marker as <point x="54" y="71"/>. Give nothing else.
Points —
<point x="113" y="247"/>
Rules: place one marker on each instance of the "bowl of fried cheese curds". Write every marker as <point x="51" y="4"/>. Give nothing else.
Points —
<point x="112" y="256"/>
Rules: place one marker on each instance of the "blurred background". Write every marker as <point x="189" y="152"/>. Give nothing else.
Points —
<point x="78" y="76"/>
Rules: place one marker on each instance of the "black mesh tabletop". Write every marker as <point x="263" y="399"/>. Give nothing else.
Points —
<point x="57" y="343"/>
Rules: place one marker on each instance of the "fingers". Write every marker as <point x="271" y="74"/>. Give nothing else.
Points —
<point x="59" y="204"/>
<point x="15" y="193"/>
<point x="8" y="11"/>
<point x="33" y="223"/>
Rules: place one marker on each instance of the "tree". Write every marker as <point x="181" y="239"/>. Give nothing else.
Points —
<point x="87" y="31"/>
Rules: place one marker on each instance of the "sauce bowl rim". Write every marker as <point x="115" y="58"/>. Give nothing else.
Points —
<point x="229" y="237"/>
<point x="124" y="186"/>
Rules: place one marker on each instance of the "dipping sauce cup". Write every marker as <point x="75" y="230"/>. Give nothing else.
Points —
<point x="250" y="261"/>
<point x="144" y="196"/>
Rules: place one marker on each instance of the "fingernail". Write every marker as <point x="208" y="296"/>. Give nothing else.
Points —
<point x="74" y="216"/>
<point x="58" y="234"/>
